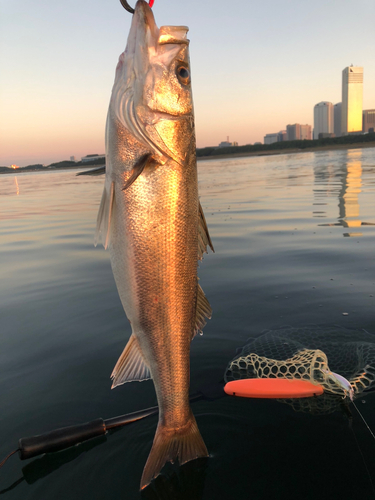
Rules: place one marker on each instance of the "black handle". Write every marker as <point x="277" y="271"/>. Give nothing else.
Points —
<point x="60" y="438"/>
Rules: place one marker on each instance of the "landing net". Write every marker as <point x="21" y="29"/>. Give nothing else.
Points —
<point x="310" y="353"/>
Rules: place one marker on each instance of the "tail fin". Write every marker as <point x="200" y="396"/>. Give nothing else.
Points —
<point x="185" y="444"/>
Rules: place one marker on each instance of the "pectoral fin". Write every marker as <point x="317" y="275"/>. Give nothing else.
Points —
<point x="131" y="365"/>
<point x="137" y="170"/>
<point x="203" y="311"/>
<point x="105" y="216"/>
<point x="203" y="235"/>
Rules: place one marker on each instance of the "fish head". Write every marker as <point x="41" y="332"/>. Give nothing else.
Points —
<point x="152" y="94"/>
<point x="167" y="87"/>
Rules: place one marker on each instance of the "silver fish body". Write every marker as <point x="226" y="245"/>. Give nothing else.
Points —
<point x="152" y="222"/>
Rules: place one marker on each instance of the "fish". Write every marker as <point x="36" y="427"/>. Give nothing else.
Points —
<point x="152" y="222"/>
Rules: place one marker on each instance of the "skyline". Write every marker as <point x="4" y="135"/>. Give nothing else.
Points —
<point x="255" y="68"/>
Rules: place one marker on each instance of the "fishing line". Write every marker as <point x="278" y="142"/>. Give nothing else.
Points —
<point x="6" y="458"/>
<point x="363" y="418"/>
<point x="359" y="448"/>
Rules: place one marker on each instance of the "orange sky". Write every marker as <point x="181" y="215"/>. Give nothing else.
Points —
<point x="255" y="68"/>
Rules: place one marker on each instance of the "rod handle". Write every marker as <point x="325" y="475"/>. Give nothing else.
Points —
<point x="60" y="439"/>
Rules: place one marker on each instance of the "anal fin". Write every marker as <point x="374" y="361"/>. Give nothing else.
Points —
<point x="131" y="365"/>
<point x="105" y="216"/>
<point x="203" y="311"/>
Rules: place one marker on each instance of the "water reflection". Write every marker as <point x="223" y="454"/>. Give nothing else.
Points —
<point x="183" y="483"/>
<point x="17" y="186"/>
<point x="49" y="463"/>
<point x="345" y="181"/>
<point x="29" y="194"/>
<point x="348" y="197"/>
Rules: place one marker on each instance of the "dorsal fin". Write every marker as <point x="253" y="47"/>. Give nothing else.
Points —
<point x="203" y="235"/>
<point x="131" y="365"/>
<point x="94" y="171"/>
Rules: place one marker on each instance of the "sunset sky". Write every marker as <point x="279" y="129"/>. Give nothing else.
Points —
<point x="256" y="66"/>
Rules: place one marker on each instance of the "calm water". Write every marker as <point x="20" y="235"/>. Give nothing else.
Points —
<point x="293" y="247"/>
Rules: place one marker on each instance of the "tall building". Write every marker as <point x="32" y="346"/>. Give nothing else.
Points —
<point x="270" y="138"/>
<point x="323" y="118"/>
<point x="276" y="137"/>
<point x="298" y="132"/>
<point x="305" y="132"/>
<point x="337" y="119"/>
<point x="368" y="120"/>
<point x="281" y="136"/>
<point x="293" y="132"/>
<point x="352" y="97"/>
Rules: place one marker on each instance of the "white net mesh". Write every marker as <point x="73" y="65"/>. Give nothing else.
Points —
<point x="310" y="353"/>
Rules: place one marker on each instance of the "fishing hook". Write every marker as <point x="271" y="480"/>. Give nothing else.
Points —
<point x="127" y="7"/>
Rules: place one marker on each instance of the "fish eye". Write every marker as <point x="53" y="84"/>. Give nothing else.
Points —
<point x="183" y="75"/>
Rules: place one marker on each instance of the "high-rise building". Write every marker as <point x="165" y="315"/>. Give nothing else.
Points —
<point x="323" y="118"/>
<point x="368" y="120"/>
<point x="352" y="97"/>
<point x="337" y="119"/>
<point x="293" y="132"/>
<point x="281" y="136"/>
<point x="298" y="132"/>
<point x="305" y="132"/>
<point x="276" y="137"/>
<point x="270" y="138"/>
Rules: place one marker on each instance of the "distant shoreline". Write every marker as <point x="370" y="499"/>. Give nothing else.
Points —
<point x="273" y="152"/>
<point x="23" y="170"/>
<point x="330" y="147"/>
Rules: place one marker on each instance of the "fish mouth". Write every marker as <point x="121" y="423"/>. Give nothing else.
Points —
<point x="143" y="31"/>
